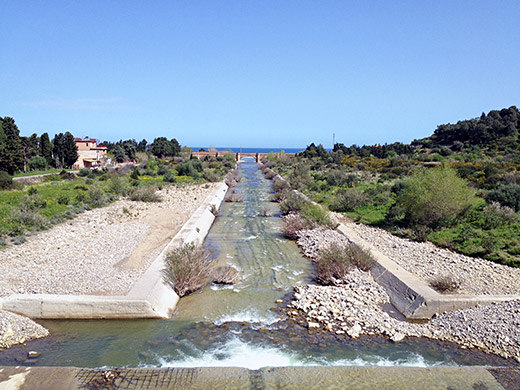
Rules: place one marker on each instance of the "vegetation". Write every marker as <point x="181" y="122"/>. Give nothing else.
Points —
<point x="188" y="268"/>
<point x="444" y="284"/>
<point x="335" y="262"/>
<point x="459" y="188"/>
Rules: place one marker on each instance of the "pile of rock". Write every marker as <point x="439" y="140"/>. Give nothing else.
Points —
<point x="15" y="329"/>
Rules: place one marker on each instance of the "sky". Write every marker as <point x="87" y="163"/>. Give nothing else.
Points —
<point x="256" y="73"/>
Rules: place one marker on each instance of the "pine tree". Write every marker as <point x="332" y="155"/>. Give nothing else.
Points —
<point x="46" y="148"/>
<point x="70" y="150"/>
<point x="11" y="158"/>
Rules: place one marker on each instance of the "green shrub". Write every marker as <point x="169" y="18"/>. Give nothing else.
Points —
<point x="63" y="199"/>
<point x="188" y="268"/>
<point x="496" y="215"/>
<point x="190" y="168"/>
<point x="507" y="195"/>
<point x="6" y="181"/>
<point x="292" y="201"/>
<point x="169" y="177"/>
<point x="118" y="185"/>
<point x="145" y="194"/>
<point x="162" y="170"/>
<point x="348" y="200"/>
<point x="83" y="172"/>
<point x="37" y="163"/>
<point x="433" y="197"/>
<point x="336" y="261"/>
<point x="135" y="174"/>
<point x="97" y="196"/>
<point x="315" y="214"/>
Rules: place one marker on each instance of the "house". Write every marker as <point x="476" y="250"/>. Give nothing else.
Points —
<point x="90" y="155"/>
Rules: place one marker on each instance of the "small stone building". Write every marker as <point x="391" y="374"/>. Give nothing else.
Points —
<point x="90" y="155"/>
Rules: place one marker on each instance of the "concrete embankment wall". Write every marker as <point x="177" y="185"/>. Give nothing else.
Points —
<point x="410" y="295"/>
<point x="318" y="378"/>
<point x="150" y="297"/>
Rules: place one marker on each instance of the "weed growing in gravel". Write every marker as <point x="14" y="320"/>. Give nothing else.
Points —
<point x="336" y="261"/>
<point x="145" y="194"/>
<point x="188" y="268"/>
<point x="444" y="284"/>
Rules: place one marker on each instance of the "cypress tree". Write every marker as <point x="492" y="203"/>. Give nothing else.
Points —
<point x="46" y="148"/>
<point x="57" y="150"/>
<point x="70" y="150"/>
<point x="11" y="158"/>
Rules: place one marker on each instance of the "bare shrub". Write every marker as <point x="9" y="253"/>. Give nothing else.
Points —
<point x="265" y="212"/>
<point x="336" y="261"/>
<point x="188" y="268"/>
<point x="293" y="224"/>
<point x="269" y="174"/>
<point x="444" y="283"/>
<point x="145" y="194"/>
<point x="226" y="275"/>
<point x="232" y="178"/>
<point x="213" y="209"/>
<point x="234" y="197"/>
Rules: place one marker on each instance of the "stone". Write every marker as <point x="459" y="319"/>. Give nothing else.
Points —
<point x="313" y="325"/>
<point x="397" y="337"/>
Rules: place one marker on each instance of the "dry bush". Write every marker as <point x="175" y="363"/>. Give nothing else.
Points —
<point x="226" y="275"/>
<point x="213" y="209"/>
<point x="265" y="212"/>
<point x="145" y="194"/>
<point x="188" y="268"/>
<point x="234" y="197"/>
<point x="232" y="178"/>
<point x="444" y="283"/>
<point x="336" y="261"/>
<point x="293" y="224"/>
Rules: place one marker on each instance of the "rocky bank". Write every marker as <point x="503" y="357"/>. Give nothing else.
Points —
<point x="355" y="307"/>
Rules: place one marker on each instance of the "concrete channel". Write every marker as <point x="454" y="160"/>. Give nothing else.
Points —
<point x="319" y="378"/>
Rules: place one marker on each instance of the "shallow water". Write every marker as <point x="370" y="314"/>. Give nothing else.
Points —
<point x="238" y="325"/>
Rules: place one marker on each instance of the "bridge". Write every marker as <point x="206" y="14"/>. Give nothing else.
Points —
<point x="239" y="155"/>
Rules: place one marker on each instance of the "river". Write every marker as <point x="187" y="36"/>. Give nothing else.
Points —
<point x="240" y="325"/>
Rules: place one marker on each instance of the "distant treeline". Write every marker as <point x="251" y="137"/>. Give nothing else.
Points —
<point x="18" y="153"/>
<point x="480" y="131"/>
<point x="497" y="124"/>
<point x="161" y="147"/>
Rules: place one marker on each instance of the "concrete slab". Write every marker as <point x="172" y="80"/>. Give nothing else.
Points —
<point x="319" y="378"/>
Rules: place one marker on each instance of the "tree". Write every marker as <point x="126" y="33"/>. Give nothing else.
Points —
<point x="141" y="146"/>
<point x="119" y="154"/>
<point x="431" y="197"/>
<point x="57" y="150"/>
<point x="70" y="150"/>
<point x="30" y="148"/>
<point x="11" y="158"/>
<point x="46" y="148"/>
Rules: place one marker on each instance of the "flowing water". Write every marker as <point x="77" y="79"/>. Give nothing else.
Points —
<point x="239" y="325"/>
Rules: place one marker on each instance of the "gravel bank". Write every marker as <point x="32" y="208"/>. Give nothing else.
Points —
<point x="474" y="276"/>
<point x="89" y="255"/>
<point x="15" y="329"/>
<point x="355" y="307"/>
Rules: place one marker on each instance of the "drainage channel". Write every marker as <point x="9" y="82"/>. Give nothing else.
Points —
<point x="240" y="325"/>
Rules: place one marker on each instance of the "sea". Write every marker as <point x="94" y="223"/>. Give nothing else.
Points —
<point x="249" y="150"/>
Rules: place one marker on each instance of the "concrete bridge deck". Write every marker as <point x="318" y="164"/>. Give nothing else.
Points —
<point x="239" y="155"/>
<point x="318" y="378"/>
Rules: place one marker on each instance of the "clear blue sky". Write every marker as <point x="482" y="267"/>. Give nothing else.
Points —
<point x="256" y="73"/>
